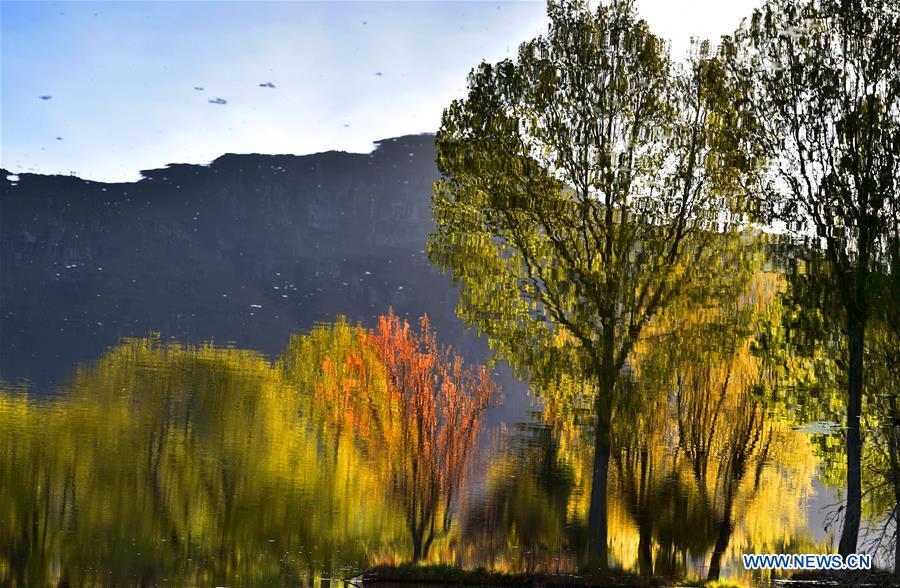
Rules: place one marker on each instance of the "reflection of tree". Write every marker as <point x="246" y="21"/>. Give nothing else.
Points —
<point x="881" y="460"/>
<point x="700" y="468"/>
<point x="749" y="446"/>
<point x="826" y="95"/>
<point x="576" y="184"/>
<point x="720" y="418"/>
<point x="698" y="365"/>
<point x="413" y="408"/>
<point x="881" y="479"/>
<point x="642" y="426"/>
<point x="441" y="406"/>
<point x="525" y="521"/>
<point x="702" y="367"/>
<point x="804" y="341"/>
<point x="206" y="465"/>
<point x="191" y="464"/>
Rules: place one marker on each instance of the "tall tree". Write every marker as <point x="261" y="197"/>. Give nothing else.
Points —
<point x="414" y="409"/>
<point x="826" y="94"/>
<point x="441" y="402"/>
<point x="580" y="184"/>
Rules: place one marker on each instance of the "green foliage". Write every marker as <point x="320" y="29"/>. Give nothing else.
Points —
<point x="187" y="463"/>
<point x="827" y="97"/>
<point x="581" y="186"/>
<point x="824" y="92"/>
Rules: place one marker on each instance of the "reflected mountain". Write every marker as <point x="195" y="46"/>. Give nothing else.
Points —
<point x="244" y="251"/>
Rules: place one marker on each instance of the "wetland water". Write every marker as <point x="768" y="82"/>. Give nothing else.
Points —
<point x="182" y="402"/>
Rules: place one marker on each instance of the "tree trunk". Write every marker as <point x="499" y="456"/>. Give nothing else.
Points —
<point x="427" y="543"/>
<point x="726" y="528"/>
<point x="852" y="513"/>
<point x="598" y="557"/>
<point x="897" y="546"/>
<point x="645" y="548"/>
<point x="417" y="549"/>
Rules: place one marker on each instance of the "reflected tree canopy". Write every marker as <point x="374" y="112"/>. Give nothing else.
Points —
<point x="694" y="449"/>
<point x="823" y="88"/>
<point x="191" y="465"/>
<point x="582" y="189"/>
<point x="197" y="465"/>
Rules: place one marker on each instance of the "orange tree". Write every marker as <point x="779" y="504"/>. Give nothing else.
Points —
<point x="416" y="410"/>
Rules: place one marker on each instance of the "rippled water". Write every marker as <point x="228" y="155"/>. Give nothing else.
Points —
<point x="195" y="465"/>
<point x="137" y="445"/>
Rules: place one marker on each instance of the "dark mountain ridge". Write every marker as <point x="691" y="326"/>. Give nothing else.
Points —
<point x="246" y="250"/>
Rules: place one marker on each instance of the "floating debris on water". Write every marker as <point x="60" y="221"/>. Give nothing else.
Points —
<point x="818" y="428"/>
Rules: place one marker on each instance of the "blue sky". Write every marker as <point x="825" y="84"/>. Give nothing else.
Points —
<point x="122" y="74"/>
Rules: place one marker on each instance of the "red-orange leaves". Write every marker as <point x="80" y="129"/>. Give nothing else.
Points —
<point x="415" y="408"/>
<point x="441" y="402"/>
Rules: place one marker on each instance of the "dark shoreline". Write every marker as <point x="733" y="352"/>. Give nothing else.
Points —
<point x="405" y="575"/>
<point x="414" y="575"/>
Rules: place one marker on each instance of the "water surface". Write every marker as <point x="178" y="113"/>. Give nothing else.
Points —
<point x="182" y="402"/>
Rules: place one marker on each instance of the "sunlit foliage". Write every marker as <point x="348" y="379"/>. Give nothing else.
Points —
<point x="581" y="185"/>
<point x="186" y="464"/>
<point x="203" y="465"/>
<point x="824" y="91"/>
